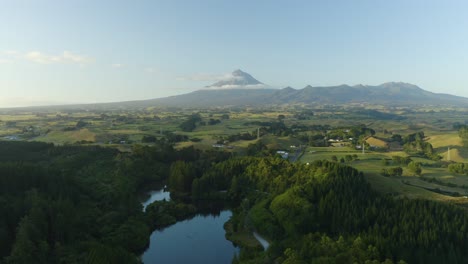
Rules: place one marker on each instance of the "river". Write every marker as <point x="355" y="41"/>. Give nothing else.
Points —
<point x="200" y="240"/>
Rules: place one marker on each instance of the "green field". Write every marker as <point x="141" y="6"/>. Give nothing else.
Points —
<point x="123" y="128"/>
<point x="407" y="185"/>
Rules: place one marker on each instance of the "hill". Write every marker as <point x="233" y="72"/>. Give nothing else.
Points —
<point x="241" y="89"/>
<point x="392" y="93"/>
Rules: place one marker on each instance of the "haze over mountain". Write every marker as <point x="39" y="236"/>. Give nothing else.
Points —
<point x="241" y="89"/>
<point x="233" y="92"/>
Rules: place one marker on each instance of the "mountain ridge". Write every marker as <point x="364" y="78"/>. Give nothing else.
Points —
<point x="242" y="89"/>
<point x="388" y="94"/>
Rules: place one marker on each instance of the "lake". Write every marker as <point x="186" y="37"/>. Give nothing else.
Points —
<point x="200" y="240"/>
<point x="157" y="195"/>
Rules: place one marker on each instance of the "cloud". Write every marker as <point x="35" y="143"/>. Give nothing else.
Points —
<point x="232" y="86"/>
<point x="117" y="65"/>
<point x="205" y="77"/>
<point x="75" y="58"/>
<point x="152" y="70"/>
<point x="36" y="56"/>
<point x="4" y="61"/>
<point x="65" y="57"/>
<point x="10" y="52"/>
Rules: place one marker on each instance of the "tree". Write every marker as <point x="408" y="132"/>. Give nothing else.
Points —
<point x="460" y="168"/>
<point x="256" y="149"/>
<point x="81" y="124"/>
<point x="397" y="171"/>
<point x="292" y="212"/>
<point x="28" y="248"/>
<point x="148" y="139"/>
<point x="181" y="176"/>
<point x="384" y="162"/>
<point x="191" y="123"/>
<point x="188" y="125"/>
<point x="213" y="121"/>
<point x="463" y="134"/>
<point x="415" y="167"/>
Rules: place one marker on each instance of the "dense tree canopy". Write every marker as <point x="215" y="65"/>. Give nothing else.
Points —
<point x="79" y="204"/>
<point x="73" y="204"/>
<point x="326" y="212"/>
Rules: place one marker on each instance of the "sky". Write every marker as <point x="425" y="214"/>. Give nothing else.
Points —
<point x="86" y="51"/>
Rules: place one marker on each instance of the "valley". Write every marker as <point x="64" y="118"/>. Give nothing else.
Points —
<point x="215" y="160"/>
<point x="242" y="132"/>
<point x="322" y="133"/>
<point x="269" y="178"/>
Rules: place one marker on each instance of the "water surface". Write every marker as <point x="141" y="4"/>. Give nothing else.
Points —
<point x="200" y="240"/>
<point x="157" y="195"/>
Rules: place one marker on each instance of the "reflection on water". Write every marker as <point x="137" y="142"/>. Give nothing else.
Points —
<point x="200" y="240"/>
<point x="157" y="195"/>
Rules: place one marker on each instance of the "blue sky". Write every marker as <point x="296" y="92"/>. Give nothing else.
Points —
<point x="100" y="51"/>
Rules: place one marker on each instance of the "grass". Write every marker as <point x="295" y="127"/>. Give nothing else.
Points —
<point x="436" y="125"/>
<point x="125" y="131"/>
<point x="18" y="117"/>
<point x="442" y="143"/>
<point x="9" y="131"/>
<point x="62" y="137"/>
<point x="445" y="140"/>
<point x="371" y="165"/>
<point x="283" y="143"/>
<point x="376" y="142"/>
<point x="319" y="153"/>
<point x="396" y="187"/>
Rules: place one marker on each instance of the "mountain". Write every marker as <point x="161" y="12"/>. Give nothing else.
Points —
<point x="237" y="80"/>
<point x="216" y="97"/>
<point x="241" y="89"/>
<point x="392" y="93"/>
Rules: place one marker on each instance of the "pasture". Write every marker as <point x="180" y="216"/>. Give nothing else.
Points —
<point x="124" y="127"/>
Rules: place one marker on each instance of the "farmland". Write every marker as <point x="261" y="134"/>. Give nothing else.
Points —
<point x="261" y="164"/>
<point x="320" y="133"/>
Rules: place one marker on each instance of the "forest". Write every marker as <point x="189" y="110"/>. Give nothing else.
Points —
<point x="326" y="212"/>
<point x="77" y="204"/>
<point x="80" y="204"/>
